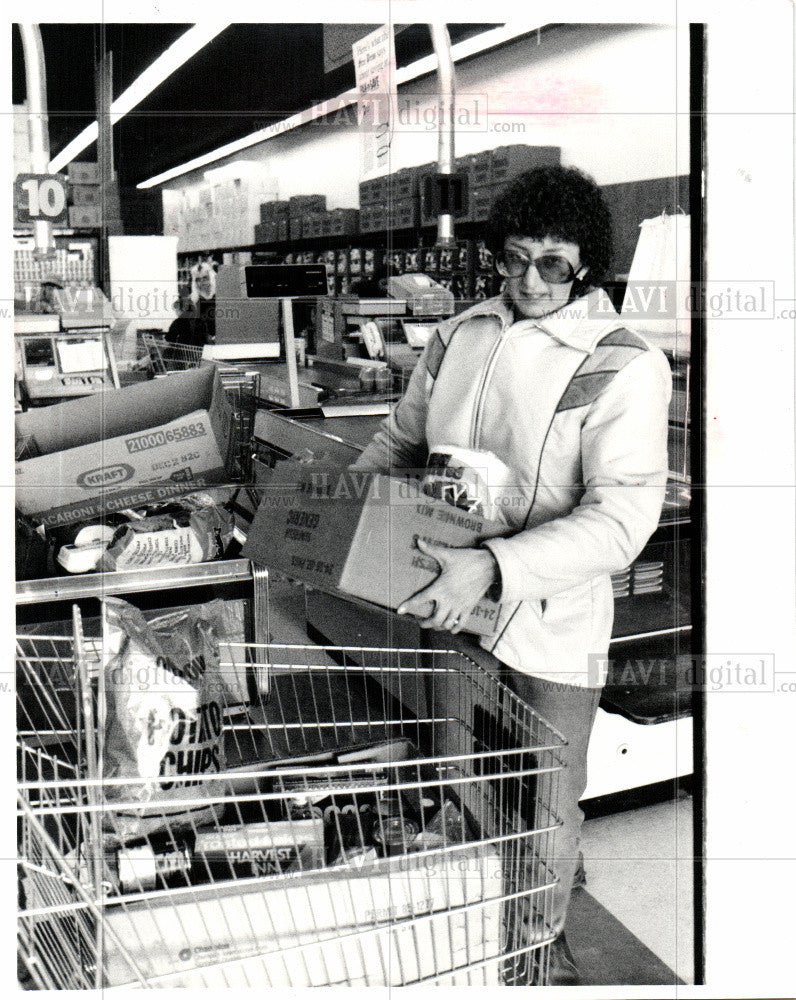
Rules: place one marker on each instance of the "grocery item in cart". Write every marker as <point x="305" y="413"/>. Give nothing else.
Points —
<point x="197" y="537"/>
<point x="397" y="922"/>
<point x="248" y="850"/>
<point x="469" y="913"/>
<point x="218" y="853"/>
<point x="153" y="866"/>
<point x="165" y="698"/>
<point x="125" y="447"/>
<point x="446" y="826"/>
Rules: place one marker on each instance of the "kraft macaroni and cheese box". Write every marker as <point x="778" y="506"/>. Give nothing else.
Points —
<point x="124" y="447"/>
<point x="356" y="533"/>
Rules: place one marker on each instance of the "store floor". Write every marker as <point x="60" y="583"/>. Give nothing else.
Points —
<point x="639" y="875"/>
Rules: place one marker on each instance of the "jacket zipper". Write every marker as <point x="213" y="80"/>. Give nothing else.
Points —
<point x="479" y="399"/>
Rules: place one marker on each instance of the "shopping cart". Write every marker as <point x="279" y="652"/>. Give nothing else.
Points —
<point x="386" y="818"/>
<point x="166" y="358"/>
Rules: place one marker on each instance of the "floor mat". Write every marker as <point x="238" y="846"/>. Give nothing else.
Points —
<point x="606" y="952"/>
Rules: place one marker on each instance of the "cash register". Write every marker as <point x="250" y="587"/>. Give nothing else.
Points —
<point x="63" y="345"/>
<point x="392" y="330"/>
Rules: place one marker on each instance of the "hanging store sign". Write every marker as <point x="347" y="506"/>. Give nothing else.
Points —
<point x="39" y="198"/>
<point x="374" y="64"/>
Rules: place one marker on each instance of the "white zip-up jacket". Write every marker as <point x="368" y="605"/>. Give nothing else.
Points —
<point x="576" y="406"/>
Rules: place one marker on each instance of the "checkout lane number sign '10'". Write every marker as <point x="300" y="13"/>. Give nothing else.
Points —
<point x="39" y="198"/>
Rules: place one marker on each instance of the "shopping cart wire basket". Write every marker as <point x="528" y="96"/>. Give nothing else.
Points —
<point x="386" y="818"/>
<point x="166" y="357"/>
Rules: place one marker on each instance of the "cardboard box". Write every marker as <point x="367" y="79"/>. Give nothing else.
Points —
<point x="83" y="173"/>
<point x="508" y="161"/>
<point x="300" y="204"/>
<point x="343" y="221"/>
<point x="185" y="936"/>
<point x="85" y="194"/>
<point x="371" y="192"/>
<point x="85" y="216"/>
<point x="273" y="210"/>
<point x="356" y="533"/>
<point x="403" y="183"/>
<point x="373" y="218"/>
<point x="403" y="213"/>
<point x="125" y="447"/>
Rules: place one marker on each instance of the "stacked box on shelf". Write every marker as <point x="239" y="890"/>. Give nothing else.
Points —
<point x="266" y="232"/>
<point x="402" y="184"/>
<point x="480" y="169"/>
<point x="480" y="203"/>
<point x="271" y="211"/>
<point x="372" y="218"/>
<point x="343" y="221"/>
<point x="508" y="161"/>
<point x="371" y="191"/>
<point x="282" y="230"/>
<point x="403" y="213"/>
<point x="310" y="223"/>
<point x="315" y="224"/>
<point x="83" y="173"/>
<point x="295" y="227"/>
<point x="301" y="204"/>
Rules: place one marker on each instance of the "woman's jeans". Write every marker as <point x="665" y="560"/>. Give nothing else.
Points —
<point x="570" y="710"/>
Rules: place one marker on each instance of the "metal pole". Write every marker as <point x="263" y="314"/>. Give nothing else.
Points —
<point x="290" y="351"/>
<point x="446" y="81"/>
<point x="36" y="86"/>
<point x="103" y="76"/>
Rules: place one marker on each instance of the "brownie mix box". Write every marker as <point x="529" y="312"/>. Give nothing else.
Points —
<point x="356" y="533"/>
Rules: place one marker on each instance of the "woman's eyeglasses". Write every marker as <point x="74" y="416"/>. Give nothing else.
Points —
<point x="552" y="268"/>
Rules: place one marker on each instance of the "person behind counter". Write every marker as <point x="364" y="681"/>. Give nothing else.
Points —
<point x="196" y="324"/>
<point x="550" y="386"/>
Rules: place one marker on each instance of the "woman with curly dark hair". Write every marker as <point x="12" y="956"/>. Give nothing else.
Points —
<point x="563" y="412"/>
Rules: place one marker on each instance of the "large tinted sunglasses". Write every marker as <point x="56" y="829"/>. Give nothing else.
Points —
<point x="552" y="267"/>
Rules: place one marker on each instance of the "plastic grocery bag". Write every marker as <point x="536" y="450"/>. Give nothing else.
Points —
<point x="657" y="301"/>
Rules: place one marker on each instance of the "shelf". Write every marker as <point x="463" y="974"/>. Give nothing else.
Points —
<point x="408" y="236"/>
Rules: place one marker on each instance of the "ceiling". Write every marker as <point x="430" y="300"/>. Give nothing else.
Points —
<point x="249" y="76"/>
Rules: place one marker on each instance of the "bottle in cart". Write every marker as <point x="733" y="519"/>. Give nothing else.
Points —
<point x="155" y="865"/>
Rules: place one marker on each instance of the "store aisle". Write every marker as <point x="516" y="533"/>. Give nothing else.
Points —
<point x="639" y="867"/>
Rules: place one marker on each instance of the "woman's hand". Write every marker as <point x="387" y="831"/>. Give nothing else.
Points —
<point x="465" y="576"/>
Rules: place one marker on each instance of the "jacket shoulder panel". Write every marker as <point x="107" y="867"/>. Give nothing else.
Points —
<point x="598" y="370"/>
<point x="623" y="338"/>
<point x="435" y="354"/>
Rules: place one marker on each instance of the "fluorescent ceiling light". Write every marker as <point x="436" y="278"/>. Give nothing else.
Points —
<point x="176" y="54"/>
<point x="428" y="64"/>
